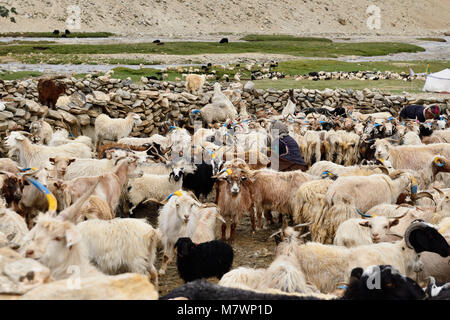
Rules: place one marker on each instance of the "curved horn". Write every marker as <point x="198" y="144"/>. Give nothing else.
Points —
<point x="274" y="234"/>
<point x="415" y="225"/>
<point x="383" y="169"/>
<point x="423" y="194"/>
<point x="394" y="234"/>
<point x="302" y="225"/>
<point x="400" y="216"/>
<point x="441" y="193"/>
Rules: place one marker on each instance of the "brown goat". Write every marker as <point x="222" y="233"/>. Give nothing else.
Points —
<point x="11" y="188"/>
<point x="234" y="198"/>
<point x="49" y="91"/>
<point x="109" y="186"/>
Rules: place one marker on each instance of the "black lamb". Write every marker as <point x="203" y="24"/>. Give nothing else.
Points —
<point x="383" y="282"/>
<point x="204" y="260"/>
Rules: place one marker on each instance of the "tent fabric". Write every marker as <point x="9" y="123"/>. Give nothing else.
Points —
<point x="438" y="82"/>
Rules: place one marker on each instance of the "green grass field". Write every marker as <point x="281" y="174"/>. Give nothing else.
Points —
<point x="295" y="48"/>
<point x="18" y="75"/>
<point x="393" y="86"/>
<point x="281" y="37"/>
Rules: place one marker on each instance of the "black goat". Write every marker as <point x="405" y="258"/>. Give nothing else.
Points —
<point x="204" y="290"/>
<point x="204" y="260"/>
<point x="156" y="41"/>
<point x="56" y="32"/>
<point x="201" y="181"/>
<point x="67" y="31"/>
<point x="223" y="40"/>
<point x="383" y="282"/>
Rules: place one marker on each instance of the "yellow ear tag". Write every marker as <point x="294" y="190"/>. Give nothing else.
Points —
<point x="213" y="155"/>
<point x="178" y="193"/>
<point x="229" y="171"/>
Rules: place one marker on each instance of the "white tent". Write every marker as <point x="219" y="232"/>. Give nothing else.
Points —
<point x="438" y="82"/>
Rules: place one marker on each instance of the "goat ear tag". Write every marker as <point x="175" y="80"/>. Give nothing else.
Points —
<point x="178" y="193"/>
<point x="229" y="171"/>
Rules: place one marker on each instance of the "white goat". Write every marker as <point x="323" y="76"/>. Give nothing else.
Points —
<point x="121" y="245"/>
<point x="31" y="155"/>
<point x="114" y="129"/>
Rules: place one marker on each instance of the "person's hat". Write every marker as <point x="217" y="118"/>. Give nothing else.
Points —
<point x="432" y="111"/>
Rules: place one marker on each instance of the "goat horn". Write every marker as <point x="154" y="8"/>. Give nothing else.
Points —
<point x="304" y="235"/>
<point x="383" y="169"/>
<point x="302" y="225"/>
<point x="441" y="193"/>
<point x="423" y="194"/>
<point x="399" y="217"/>
<point x="274" y="234"/>
<point x="394" y="234"/>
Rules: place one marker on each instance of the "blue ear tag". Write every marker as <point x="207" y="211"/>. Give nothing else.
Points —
<point x="390" y="118"/>
<point x="377" y="125"/>
<point x="170" y="196"/>
<point x="414" y="189"/>
<point x="195" y="111"/>
<point x="321" y="121"/>
<point x="362" y="214"/>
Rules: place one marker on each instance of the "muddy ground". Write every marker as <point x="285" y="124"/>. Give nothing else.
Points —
<point x="250" y="250"/>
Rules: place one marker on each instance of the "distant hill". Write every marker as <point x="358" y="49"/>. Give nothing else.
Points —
<point x="201" y="18"/>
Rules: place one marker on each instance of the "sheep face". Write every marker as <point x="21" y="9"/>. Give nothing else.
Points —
<point x="183" y="207"/>
<point x="51" y="240"/>
<point x="235" y="178"/>
<point x="61" y="164"/>
<point x="359" y="129"/>
<point x="379" y="226"/>
<point x="14" y="140"/>
<point x="381" y="149"/>
<point x="177" y="174"/>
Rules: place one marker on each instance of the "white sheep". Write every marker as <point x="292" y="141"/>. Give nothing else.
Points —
<point x="156" y="138"/>
<point x="350" y="233"/>
<point x="121" y="245"/>
<point x="173" y="220"/>
<point x="153" y="187"/>
<point x="195" y="82"/>
<point x="243" y="278"/>
<point x="61" y="137"/>
<point x="31" y="155"/>
<point x="411" y="138"/>
<point x="114" y="129"/>
<point x="57" y="244"/>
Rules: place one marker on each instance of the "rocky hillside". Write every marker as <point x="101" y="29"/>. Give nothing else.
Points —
<point x="206" y="18"/>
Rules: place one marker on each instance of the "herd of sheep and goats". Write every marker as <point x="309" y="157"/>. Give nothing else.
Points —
<point x="373" y="202"/>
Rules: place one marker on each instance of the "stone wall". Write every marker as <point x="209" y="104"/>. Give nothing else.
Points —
<point x="157" y="101"/>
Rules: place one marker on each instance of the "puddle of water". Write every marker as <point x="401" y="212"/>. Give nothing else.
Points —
<point x="79" y="68"/>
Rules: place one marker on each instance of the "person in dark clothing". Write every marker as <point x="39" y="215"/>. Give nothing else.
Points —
<point x="288" y="153"/>
<point x="421" y="113"/>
